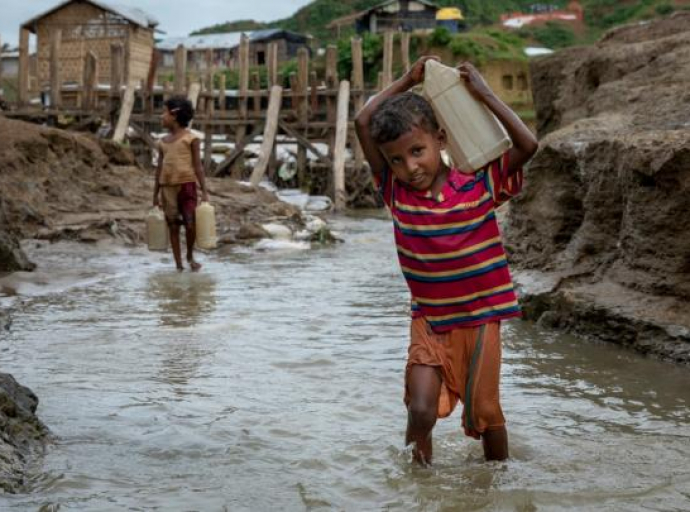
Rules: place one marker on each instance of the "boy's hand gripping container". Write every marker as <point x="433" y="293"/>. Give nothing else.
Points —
<point x="206" y="226"/>
<point x="475" y="136"/>
<point x="156" y="230"/>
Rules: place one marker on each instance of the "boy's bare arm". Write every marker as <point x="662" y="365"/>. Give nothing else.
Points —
<point x="198" y="169"/>
<point x="413" y="77"/>
<point x="525" y="144"/>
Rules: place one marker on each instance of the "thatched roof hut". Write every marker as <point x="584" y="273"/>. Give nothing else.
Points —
<point x="91" y="26"/>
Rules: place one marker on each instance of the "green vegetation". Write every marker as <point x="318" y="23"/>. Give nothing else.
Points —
<point x="600" y="15"/>
<point x="551" y="35"/>
<point x="230" y="26"/>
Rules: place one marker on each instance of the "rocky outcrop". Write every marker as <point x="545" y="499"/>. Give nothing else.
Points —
<point x="604" y="218"/>
<point x="22" y="435"/>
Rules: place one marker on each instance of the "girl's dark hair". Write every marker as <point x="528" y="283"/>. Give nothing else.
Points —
<point x="182" y="109"/>
<point x="398" y="114"/>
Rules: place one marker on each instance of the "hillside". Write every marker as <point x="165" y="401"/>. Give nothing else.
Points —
<point x="600" y="15"/>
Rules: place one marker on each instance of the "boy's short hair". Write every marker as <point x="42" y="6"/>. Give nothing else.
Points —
<point x="398" y="114"/>
<point x="182" y="109"/>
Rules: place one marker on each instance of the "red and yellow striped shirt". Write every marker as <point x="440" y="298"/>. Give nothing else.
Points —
<point x="450" y="247"/>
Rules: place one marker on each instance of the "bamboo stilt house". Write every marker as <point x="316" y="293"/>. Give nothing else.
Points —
<point x="82" y="26"/>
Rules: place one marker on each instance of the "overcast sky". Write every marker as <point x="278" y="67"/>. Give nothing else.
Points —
<point x="176" y="17"/>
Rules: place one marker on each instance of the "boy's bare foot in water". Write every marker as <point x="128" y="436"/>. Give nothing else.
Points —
<point x="193" y="265"/>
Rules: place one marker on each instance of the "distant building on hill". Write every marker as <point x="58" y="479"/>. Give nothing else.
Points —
<point x="451" y="18"/>
<point x="541" y="13"/>
<point x="224" y="48"/>
<point x="396" y="15"/>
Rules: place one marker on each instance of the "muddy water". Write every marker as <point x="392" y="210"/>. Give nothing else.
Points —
<point x="273" y="381"/>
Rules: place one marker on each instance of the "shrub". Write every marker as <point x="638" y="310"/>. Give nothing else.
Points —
<point x="440" y="37"/>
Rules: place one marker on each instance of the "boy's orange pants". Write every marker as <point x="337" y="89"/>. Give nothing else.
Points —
<point x="469" y="361"/>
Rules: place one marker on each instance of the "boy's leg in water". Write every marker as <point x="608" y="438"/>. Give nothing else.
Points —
<point x="495" y="443"/>
<point x="174" y="228"/>
<point x="190" y="232"/>
<point x="424" y="388"/>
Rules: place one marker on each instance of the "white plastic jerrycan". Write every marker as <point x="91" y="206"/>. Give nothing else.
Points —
<point x="156" y="230"/>
<point x="475" y="136"/>
<point x="205" y="226"/>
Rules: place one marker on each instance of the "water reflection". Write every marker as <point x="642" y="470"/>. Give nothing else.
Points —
<point x="184" y="299"/>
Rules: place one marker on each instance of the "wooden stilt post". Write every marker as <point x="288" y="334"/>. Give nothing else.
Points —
<point x="125" y="113"/>
<point x="222" y="92"/>
<point x="358" y="93"/>
<point x="405" y="50"/>
<point x="180" y="70"/>
<point x="117" y="57"/>
<point x="23" y="66"/>
<point x="90" y="95"/>
<point x="340" y="198"/>
<point x="241" y="130"/>
<point x="272" y="64"/>
<point x="55" y="79"/>
<point x="302" y="109"/>
<point x="331" y="85"/>
<point x="387" y="58"/>
<point x="256" y="99"/>
<point x="269" y="134"/>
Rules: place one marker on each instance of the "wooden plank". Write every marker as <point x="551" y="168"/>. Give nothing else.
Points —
<point x="272" y="115"/>
<point x="239" y="149"/>
<point x="125" y="113"/>
<point x="180" y="69"/>
<point x="340" y="146"/>
<point x="0" y="59"/>
<point x="301" y="139"/>
<point x="55" y="79"/>
<point x="193" y="95"/>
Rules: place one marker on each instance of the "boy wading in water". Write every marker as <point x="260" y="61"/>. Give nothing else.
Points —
<point x="179" y="170"/>
<point x="451" y="255"/>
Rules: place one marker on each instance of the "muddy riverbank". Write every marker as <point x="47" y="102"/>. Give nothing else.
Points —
<point x="602" y="224"/>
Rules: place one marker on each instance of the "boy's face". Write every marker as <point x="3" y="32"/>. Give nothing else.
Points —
<point x="415" y="157"/>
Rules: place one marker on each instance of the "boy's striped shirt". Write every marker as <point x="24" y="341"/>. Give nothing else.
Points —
<point x="450" y="247"/>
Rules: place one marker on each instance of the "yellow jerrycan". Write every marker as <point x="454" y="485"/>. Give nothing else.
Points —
<point x="475" y="136"/>
<point x="156" y="230"/>
<point x="205" y="226"/>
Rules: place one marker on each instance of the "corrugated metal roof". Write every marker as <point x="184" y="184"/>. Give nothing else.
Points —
<point x="216" y="41"/>
<point x="133" y="14"/>
<point x="203" y="41"/>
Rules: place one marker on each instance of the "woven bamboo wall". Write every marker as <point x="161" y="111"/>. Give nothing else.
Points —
<point x="87" y="28"/>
